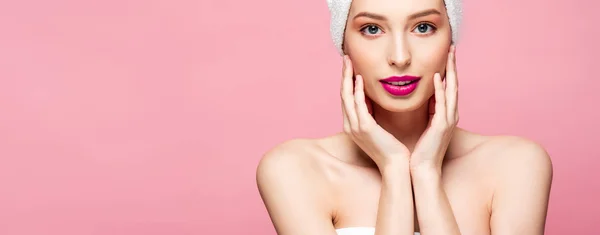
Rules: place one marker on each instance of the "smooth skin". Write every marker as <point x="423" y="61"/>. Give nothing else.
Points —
<point x="402" y="164"/>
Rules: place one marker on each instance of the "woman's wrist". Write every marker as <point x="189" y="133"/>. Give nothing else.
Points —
<point x="425" y="171"/>
<point x="399" y="166"/>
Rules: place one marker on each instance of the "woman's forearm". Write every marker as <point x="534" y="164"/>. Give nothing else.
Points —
<point x="433" y="208"/>
<point x="396" y="212"/>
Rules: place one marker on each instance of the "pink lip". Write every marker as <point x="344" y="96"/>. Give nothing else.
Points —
<point x="400" y="90"/>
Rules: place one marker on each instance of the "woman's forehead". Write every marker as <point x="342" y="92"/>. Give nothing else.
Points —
<point x="395" y="8"/>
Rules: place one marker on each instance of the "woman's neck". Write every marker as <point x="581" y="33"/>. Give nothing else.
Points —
<point x="407" y="127"/>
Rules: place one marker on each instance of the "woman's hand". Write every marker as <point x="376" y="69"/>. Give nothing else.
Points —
<point x="431" y="148"/>
<point x="380" y="145"/>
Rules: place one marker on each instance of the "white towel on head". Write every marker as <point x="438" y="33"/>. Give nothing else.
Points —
<point x="339" y="9"/>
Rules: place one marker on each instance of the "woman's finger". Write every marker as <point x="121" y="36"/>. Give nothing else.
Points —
<point x="342" y="97"/>
<point x="346" y="121"/>
<point x="431" y="107"/>
<point x="348" y="94"/>
<point x="364" y="118"/>
<point x="451" y="86"/>
<point x="440" y="100"/>
<point x="369" y="105"/>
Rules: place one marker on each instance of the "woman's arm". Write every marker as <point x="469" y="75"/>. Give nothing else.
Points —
<point x="522" y="192"/>
<point x="433" y="208"/>
<point x="297" y="200"/>
<point x="395" y="214"/>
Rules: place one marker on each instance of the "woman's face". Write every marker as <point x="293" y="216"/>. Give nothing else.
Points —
<point x="386" y="38"/>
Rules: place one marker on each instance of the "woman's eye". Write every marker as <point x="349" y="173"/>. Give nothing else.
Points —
<point x="423" y="28"/>
<point x="371" y="29"/>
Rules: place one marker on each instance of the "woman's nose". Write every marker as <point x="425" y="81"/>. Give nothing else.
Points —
<point x="399" y="54"/>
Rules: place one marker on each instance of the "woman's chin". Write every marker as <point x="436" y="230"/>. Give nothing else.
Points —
<point x="400" y="105"/>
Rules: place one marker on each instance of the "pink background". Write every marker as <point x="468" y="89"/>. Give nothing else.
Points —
<point x="148" y="117"/>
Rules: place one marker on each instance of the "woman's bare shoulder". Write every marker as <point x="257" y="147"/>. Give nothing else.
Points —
<point x="515" y="159"/>
<point x="507" y="148"/>
<point x="515" y="149"/>
<point x="292" y="155"/>
<point x="286" y="158"/>
<point x="303" y="158"/>
<point x="520" y="173"/>
<point x="290" y="176"/>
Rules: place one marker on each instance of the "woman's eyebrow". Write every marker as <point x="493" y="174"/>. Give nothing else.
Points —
<point x="411" y="17"/>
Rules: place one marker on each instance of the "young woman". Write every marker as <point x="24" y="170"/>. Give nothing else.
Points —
<point x="402" y="166"/>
